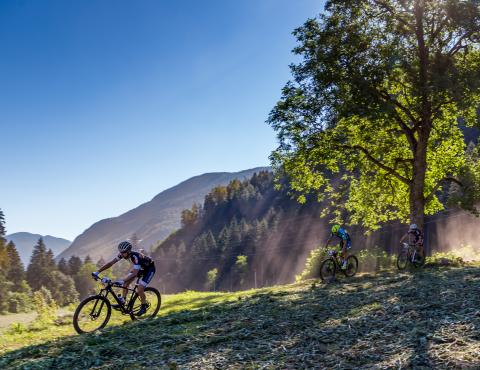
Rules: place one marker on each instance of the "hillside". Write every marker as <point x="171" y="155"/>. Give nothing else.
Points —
<point x="428" y="319"/>
<point x="274" y="234"/>
<point x="26" y="241"/>
<point x="152" y="221"/>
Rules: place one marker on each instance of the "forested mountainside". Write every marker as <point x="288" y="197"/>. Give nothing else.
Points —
<point x="150" y="222"/>
<point x="249" y="234"/>
<point x="245" y="233"/>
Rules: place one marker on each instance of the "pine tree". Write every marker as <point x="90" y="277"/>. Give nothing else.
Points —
<point x="3" y="230"/>
<point x="3" y="255"/>
<point x="200" y="246"/>
<point x="50" y="260"/>
<point x="4" y="292"/>
<point x="63" y="266"/>
<point x="37" y="271"/>
<point x="3" y="243"/>
<point x="88" y="259"/>
<point x="74" y="264"/>
<point x="236" y="233"/>
<point x="16" y="270"/>
<point x="224" y="239"/>
<point x="210" y="241"/>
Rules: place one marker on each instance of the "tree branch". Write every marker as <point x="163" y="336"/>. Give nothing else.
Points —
<point x="405" y="162"/>
<point x="372" y="159"/>
<point x="393" y="12"/>
<point x="395" y="102"/>
<point x="437" y="186"/>
<point x="458" y="44"/>
<point x="407" y="130"/>
<point x="439" y="106"/>
<point x="439" y="29"/>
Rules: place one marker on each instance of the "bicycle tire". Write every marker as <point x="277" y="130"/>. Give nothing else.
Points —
<point x="328" y="269"/>
<point x="133" y="305"/>
<point x="402" y="260"/>
<point x="352" y="266"/>
<point x="104" y="303"/>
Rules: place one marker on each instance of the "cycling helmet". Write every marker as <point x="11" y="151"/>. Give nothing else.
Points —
<point x="413" y="227"/>
<point x="335" y="228"/>
<point x="124" y="247"/>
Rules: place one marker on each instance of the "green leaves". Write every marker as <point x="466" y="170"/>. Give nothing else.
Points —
<point x="369" y="119"/>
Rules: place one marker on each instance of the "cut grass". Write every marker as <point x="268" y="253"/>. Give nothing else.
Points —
<point x="426" y="319"/>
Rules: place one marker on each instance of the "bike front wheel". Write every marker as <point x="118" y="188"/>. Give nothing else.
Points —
<point x="402" y="260"/>
<point x="327" y="269"/>
<point x="153" y="300"/>
<point x="352" y="266"/>
<point x="418" y="260"/>
<point x="92" y="314"/>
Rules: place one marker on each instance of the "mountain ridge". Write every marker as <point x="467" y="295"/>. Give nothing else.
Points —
<point x="25" y="241"/>
<point x="151" y="221"/>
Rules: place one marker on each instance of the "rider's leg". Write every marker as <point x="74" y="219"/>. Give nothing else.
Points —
<point x="343" y="253"/>
<point x="143" y="282"/>
<point x="122" y="297"/>
<point x="126" y="284"/>
<point x="141" y="293"/>
<point x="420" y="249"/>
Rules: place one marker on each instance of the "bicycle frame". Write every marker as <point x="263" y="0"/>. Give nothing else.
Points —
<point x="333" y="250"/>
<point x="124" y="308"/>
<point x="411" y="251"/>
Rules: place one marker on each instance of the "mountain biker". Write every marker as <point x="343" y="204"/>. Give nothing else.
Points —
<point x="143" y="268"/>
<point x="345" y="242"/>
<point x="415" y="238"/>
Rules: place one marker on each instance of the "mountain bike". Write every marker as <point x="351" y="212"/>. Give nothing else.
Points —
<point x="331" y="264"/>
<point x="94" y="312"/>
<point x="409" y="255"/>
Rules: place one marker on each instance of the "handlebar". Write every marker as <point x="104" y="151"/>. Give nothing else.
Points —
<point x="105" y="280"/>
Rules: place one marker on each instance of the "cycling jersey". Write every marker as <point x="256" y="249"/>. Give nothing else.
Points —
<point x="139" y="260"/>
<point x="343" y="236"/>
<point x="415" y="237"/>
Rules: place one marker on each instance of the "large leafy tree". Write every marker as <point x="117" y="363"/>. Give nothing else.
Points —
<point x="377" y="97"/>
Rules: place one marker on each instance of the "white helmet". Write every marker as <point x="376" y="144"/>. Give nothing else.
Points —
<point x="413" y="227"/>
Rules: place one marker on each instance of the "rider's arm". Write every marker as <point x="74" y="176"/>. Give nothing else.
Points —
<point x="403" y="237"/>
<point x="136" y="268"/>
<point x="108" y="265"/>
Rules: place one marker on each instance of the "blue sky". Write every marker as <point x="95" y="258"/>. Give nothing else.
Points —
<point x="104" y="104"/>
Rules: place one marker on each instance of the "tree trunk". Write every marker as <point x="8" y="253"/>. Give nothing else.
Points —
<point x="417" y="186"/>
<point x="417" y="197"/>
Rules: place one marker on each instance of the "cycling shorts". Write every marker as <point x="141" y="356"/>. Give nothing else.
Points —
<point x="146" y="275"/>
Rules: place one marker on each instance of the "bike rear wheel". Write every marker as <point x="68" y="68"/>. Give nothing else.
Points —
<point x="328" y="269"/>
<point x="153" y="300"/>
<point x="92" y="314"/>
<point x="402" y="260"/>
<point x="352" y="266"/>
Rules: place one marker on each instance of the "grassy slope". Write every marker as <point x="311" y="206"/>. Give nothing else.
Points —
<point x="426" y="319"/>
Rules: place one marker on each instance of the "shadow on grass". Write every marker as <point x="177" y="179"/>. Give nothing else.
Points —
<point x="421" y="320"/>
